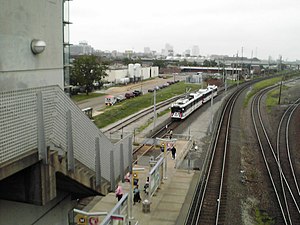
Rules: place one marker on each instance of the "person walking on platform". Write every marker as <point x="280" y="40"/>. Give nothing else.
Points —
<point x="171" y="134"/>
<point x="146" y="186"/>
<point x="127" y="177"/>
<point x="136" y="195"/>
<point x="173" y="150"/>
<point x="119" y="192"/>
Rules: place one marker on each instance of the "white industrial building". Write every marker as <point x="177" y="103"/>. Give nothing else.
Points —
<point x="134" y="73"/>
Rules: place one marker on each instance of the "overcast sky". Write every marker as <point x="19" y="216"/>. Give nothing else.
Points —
<point x="264" y="27"/>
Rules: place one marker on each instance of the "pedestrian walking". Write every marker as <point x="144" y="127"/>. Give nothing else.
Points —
<point x="173" y="150"/>
<point x="127" y="177"/>
<point x="162" y="148"/>
<point x="171" y="134"/>
<point x="136" y="195"/>
<point x="146" y="186"/>
<point x="119" y="192"/>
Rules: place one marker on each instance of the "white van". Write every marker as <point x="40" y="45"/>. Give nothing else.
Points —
<point x="110" y="100"/>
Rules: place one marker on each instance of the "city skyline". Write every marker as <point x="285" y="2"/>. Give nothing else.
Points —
<point x="261" y="29"/>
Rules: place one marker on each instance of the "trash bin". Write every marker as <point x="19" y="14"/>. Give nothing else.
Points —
<point x="146" y="206"/>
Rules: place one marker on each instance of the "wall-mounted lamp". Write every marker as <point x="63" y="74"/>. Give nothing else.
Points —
<point x="37" y="46"/>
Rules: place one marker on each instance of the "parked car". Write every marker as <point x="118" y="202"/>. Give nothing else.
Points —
<point x="129" y="95"/>
<point x="137" y="93"/>
<point x="120" y="98"/>
<point x="72" y="90"/>
<point x="151" y="90"/>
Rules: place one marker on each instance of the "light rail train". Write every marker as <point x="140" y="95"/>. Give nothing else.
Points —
<point x="183" y="107"/>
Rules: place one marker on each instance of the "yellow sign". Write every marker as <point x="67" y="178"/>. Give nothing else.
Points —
<point x="135" y="178"/>
<point x="82" y="220"/>
<point x="135" y="175"/>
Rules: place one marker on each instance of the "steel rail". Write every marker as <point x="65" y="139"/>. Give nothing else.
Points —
<point x="263" y="150"/>
<point x="224" y="122"/>
<point x="287" y="170"/>
<point x="121" y="124"/>
<point x="288" y="146"/>
<point x="287" y="194"/>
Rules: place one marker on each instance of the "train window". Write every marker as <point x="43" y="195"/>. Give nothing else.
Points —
<point x="176" y="109"/>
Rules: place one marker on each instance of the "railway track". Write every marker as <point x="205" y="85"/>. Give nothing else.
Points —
<point x="209" y="201"/>
<point x="288" y="177"/>
<point x="278" y="162"/>
<point x="127" y="121"/>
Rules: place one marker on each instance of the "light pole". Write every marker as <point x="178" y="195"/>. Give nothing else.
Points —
<point x="279" y="98"/>
<point x="237" y="72"/>
<point x="154" y="108"/>
<point x="211" y="112"/>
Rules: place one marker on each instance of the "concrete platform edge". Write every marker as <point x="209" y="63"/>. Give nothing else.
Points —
<point x="188" y="200"/>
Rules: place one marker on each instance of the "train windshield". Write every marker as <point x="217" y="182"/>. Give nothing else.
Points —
<point x="176" y="109"/>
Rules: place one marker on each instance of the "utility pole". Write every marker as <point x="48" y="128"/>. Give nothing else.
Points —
<point x="211" y="112"/>
<point x="224" y="75"/>
<point x="154" y="108"/>
<point x="251" y="65"/>
<point x="242" y="60"/>
<point x="236" y="66"/>
<point x="279" y="98"/>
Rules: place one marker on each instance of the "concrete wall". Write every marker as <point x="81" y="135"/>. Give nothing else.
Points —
<point x="21" y="23"/>
<point x="54" y="213"/>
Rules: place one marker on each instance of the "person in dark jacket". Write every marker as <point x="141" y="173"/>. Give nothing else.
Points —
<point x="173" y="150"/>
<point x="136" y="195"/>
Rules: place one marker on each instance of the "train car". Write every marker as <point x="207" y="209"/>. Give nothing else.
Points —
<point x="183" y="107"/>
<point x="209" y="92"/>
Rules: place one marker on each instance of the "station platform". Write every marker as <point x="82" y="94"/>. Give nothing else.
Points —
<point x="168" y="206"/>
<point x="170" y="203"/>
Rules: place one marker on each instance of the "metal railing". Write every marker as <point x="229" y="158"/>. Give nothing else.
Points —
<point x="37" y="118"/>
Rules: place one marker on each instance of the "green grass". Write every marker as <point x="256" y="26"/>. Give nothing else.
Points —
<point x="259" y="86"/>
<point x="149" y="121"/>
<point x="82" y="97"/>
<point x="131" y="106"/>
<point x="265" y="83"/>
<point x="272" y="99"/>
<point x="262" y="218"/>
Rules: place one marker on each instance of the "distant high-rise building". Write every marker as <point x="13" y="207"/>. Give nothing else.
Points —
<point x="83" y="48"/>
<point x="168" y="51"/>
<point x="195" y="50"/>
<point x="187" y="52"/>
<point x="147" y="50"/>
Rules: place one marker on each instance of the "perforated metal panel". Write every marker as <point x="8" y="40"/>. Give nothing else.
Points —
<point x="18" y="119"/>
<point x="18" y="130"/>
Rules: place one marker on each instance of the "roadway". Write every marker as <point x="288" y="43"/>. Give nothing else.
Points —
<point x="98" y="103"/>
